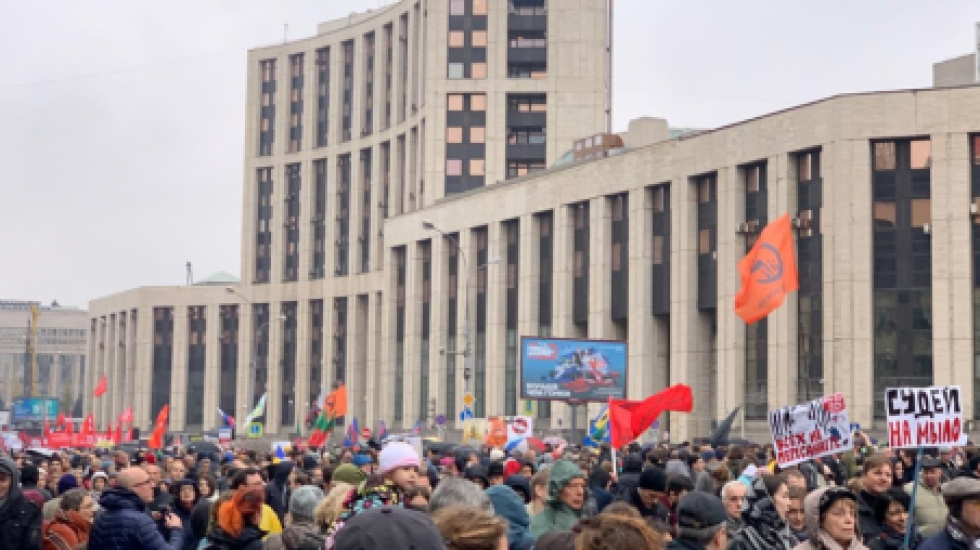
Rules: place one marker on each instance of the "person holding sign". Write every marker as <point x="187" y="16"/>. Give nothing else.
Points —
<point x="930" y="509"/>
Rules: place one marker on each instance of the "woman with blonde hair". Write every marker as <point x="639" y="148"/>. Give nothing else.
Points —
<point x="470" y="528"/>
<point x="330" y="508"/>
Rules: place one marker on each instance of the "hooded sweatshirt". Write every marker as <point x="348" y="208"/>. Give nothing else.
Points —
<point x="277" y="491"/>
<point x="510" y="506"/>
<point x="819" y="539"/>
<point x="557" y="516"/>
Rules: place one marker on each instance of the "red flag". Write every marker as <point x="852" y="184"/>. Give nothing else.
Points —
<point x="629" y="419"/>
<point x="768" y="272"/>
<point x="101" y="388"/>
<point x="159" y="429"/>
<point x="47" y="429"/>
<point x="88" y="426"/>
<point x="68" y="428"/>
<point x="127" y="415"/>
<point x="61" y="420"/>
<point x="117" y="437"/>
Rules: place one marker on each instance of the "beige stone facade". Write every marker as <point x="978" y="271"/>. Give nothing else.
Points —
<point x="397" y="367"/>
<point x="60" y="350"/>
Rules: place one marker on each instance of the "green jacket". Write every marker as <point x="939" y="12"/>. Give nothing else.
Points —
<point x="557" y="516"/>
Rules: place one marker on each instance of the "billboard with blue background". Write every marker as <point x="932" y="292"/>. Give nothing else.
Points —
<point x="35" y="409"/>
<point x="562" y="369"/>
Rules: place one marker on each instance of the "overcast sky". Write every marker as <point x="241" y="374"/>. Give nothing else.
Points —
<point x="121" y="122"/>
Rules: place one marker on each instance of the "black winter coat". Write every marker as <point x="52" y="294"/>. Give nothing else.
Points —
<point x="20" y="519"/>
<point x="277" y="491"/>
<point x="249" y="539"/>
<point x="125" y="525"/>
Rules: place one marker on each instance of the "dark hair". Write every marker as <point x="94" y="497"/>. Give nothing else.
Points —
<point x="240" y="477"/>
<point x="885" y="500"/>
<point x="693" y="459"/>
<point x="212" y="483"/>
<point x="29" y="475"/>
<point x="772" y="483"/>
<point x="874" y="462"/>
<point x="678" y="484"/>
<point x="616" y="531"/>
<point x="621" y="508"/>
<point x="301" y="478"/>
<point x="735" y="452"/>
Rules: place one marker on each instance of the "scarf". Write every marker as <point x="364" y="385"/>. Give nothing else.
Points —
<point x="955" y="529"/>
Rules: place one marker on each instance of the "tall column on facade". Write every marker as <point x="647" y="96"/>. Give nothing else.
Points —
<point x="383" y="390"/>
<point x="357" y="344"/>
<point x="528" y="291"/>
<point x="848" y="256"/>
<point x="689" y="335"/>
<point x="302" y="391"/>
<point x="467" y="295"/>
<point x="951" y="228"/>
<point x="496" y="299"/>
<point x="121" y="368"/>
<point x="212" y="370"/>
<point x="142" y="379"/>
<point x="273" y="384"/>
<point x="730" y="364"/>
<point x="438" y="309"/>
<point x="413" y="335"/>
<point x="783" y="337"/>
<point x="178" y="375"/>
<point x="243" y="385"/>
<point x="374" y="369"/>
<point x="648" y="370"/>
<point x="564" y="295"/>
<point x="132" y="350"/>
<point x="109" y="362"/>
<point x="601" y="326"/>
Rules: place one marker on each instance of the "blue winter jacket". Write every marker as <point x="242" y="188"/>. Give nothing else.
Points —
<point x="510" y="506"/>
<point x="125" y="525"/>
<point x="942" y="541"/>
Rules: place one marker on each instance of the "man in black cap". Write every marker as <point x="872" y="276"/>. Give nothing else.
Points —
<point x="930" y="508"/>
<point x="962" y="530"/>
<point x="389" y="528"/>
<point x="700" y="523"/>
<point x="648" y="494"/>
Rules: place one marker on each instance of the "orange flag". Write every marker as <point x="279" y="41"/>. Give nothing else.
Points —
<point x="335" y="403"/>
<point x="768" y="272"/>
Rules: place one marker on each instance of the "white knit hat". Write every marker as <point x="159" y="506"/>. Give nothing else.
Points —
<point x="398" y="455"/>
<point x="496" y="454"/>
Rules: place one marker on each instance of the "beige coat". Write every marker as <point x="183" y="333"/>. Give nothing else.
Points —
<point x="930" y="510"/>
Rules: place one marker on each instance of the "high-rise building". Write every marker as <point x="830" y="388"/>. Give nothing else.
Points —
<point x="379" y="239"/>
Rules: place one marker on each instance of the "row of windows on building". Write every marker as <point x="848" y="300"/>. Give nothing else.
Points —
<point x="527" y="54"/>
<point x="322" y="73"/>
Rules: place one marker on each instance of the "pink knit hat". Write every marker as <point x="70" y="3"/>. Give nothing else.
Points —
<point x="397" y="455"/>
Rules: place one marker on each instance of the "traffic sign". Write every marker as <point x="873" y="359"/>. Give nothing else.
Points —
<point x="441" y="420"/>
<point x="256" y="429"/>
<point x="468" y="399"/>
<point x="467" y="413"/>
<point x="366" y="433"/>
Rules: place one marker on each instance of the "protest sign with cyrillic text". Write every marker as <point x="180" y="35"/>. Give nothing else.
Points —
<point x="924" y="417"/>
<point x="810" y="430"/>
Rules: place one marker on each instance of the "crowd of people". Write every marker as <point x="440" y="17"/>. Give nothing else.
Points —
<point x="682" y="497"/>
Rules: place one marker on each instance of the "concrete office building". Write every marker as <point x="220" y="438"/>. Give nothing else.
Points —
<point x="60" y="352"/>
<point x="365" y="248"/>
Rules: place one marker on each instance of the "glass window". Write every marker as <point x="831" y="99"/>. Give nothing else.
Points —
<point x="477" y="167"/>
<point x="752" y="179"/>
<point x="704" y="241"/>
<point x="478" y="70"/>
<point x="455" y="70"/>
<point x="455" y="102"/>
<point x="884" y="215"/>
<point x="658" y="250"/>
<point x="658" y="199"/>
<point x="579" y="264"/>
<point x="884" y="155"/>
<point x="479" y="7"/>
<point x="456" y="39"/>
<point x="976" y="150"/>
<point x="456" y="7"/>
<point x="704" y="190"/>
<point x="479" y="39"/>
<point x="921" y="212"/>
<point x="803" y="167"/>
<point x="454" y="167"/>
<point x="478" y="134"/>
<point x="921" y="154"/>
<point x="454" y="134"/>
<point x="478" y="102"/>
<point x="615" y="256"/>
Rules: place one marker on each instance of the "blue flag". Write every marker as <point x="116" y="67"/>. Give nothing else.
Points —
<point x="353" y="436"/>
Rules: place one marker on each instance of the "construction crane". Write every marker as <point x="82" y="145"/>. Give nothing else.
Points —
<point x="32" y="345"/>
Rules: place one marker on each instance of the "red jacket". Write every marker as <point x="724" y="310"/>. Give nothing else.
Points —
<point x="66" y="531"/>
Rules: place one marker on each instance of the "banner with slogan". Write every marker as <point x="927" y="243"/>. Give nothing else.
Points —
<point x="925" y="417"/>
<point x="810" y="430"/>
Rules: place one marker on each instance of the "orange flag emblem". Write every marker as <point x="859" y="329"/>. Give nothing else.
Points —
<point x="768" y="272"/>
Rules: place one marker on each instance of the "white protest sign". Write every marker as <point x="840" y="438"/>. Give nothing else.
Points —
<point x="519" y="427"/>
<point x="924" y="417"/>
<point x="810" y="430"/>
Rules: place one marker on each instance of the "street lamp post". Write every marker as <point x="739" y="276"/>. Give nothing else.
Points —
<point x="467" y="353"/>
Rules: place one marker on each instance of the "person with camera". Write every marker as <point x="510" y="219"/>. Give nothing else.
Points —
<point x="124" y="523"/>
